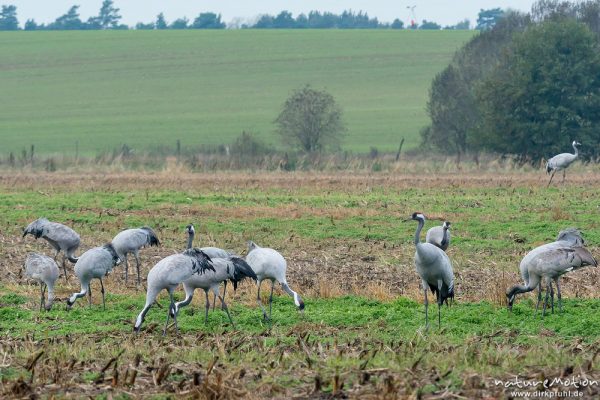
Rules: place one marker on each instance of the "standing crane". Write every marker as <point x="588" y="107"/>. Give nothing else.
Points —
<point x="131" y="241"/>
<point x="439" y="236"/>
<point x="561" y="162"/>
<point x="434" y="268"/>
<point x="167" y="274"/>
<point x="549" y="262"/>
<point x="44" y="270"/>
<point x="61" y="238"/>
<point x="95" y="263"/>
<point x="212" y="252"/>
<point x="230" y="268"/>
<point x="270" y="264"/>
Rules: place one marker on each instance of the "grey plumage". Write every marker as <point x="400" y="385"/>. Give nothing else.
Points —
<point x="435" y="269"/>
<point x="45" y="271"/>
<point x="561" y="162"/>
<point x="439" y="236"/>
<point x="549" y="262"/>
<point x="232" y="268"/>
<point x="61" y="238"/>
<point x="95" y="263"/>
<point x="270" y="264"/>
<point x="131" y="241"/>
<point x="167" y="274"/>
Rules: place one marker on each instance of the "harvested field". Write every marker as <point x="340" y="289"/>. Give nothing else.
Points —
<point x="349" y="256"/>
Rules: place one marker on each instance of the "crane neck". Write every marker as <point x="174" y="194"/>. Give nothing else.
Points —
<point x="445" y="237"/>
<point x="190" y="239"/>
<point x="576" y="151"/>
<point x="418" y="231"/>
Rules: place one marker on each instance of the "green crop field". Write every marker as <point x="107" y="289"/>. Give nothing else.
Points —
<point x="351" y="258"/>
<point x="147" y="89"/>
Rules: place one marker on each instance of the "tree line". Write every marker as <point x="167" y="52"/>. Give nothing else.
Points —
<point x="109" y="18"/>
<point x="527" y="86"/>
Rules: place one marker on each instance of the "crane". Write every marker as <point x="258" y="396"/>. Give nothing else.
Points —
<point x="561" y="162"/>
<point x="131" y="241"/>
<point x="44" y="270"/>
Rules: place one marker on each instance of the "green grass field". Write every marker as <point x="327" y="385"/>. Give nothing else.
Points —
<point x="350" y="257"/>
<point x="149" y="88"/>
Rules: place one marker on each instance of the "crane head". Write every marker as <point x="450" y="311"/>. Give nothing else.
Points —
<point x="446" y="225"/>
<point x="417" y="216"/>
<point x="576" y="143"/>
<point x="190" y="229"/>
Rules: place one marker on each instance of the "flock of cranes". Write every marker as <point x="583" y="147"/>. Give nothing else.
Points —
<point x="207" y="268"/>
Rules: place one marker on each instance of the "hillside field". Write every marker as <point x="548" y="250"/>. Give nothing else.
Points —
<point x="351" y="258"/>
<point x="146" y="89"/>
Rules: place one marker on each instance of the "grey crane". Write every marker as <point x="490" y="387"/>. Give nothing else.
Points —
<point x="270" y="264"/>
<point x="167" y="274"/>
<point x="435" y="269"/>
<point x="212" y="252"/>
<point x="230" y="268"/>
<point x="439" y="236"/>
<point x="549" y="262"/>
<point x="561" y="162"/>
<point x="95" y="263"/>
<point x="44" y="270"/>
<point x="131" y="241"/>
<point x="61" y="238"/>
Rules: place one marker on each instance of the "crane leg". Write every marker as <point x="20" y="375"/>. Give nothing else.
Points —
<point x="559" y="296"/>
<point x="102" y="291"/>
<point x="89" y="294"/>
<point x="551" y="176"/>
<point x="207" y="307"/>
<point x="215" y="296"/>
<point x="426" y="304"/>
<point x="539" y="299"/>
<point x="42" y="295"/>
<point x="271" y="299"/>
<point x="64" y="265"/>
<point x="551" y="295"/>
<point x="126" y="269"/>
<point x="169" y="312"/>
<point x="172" y="305"/>
<point x="227" y="310"/>
<point x="564" y="174"/>
<point x="260" y="302"/>
<point x="546" y="300"/>
<point x="137" y="267"/>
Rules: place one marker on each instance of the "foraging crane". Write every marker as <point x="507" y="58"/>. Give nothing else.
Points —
<point x="61" y="238"/>
<point x="561" y="162"/>
<point x="434" y="268"/>
<point x="167" y="274"/>
<point x="95" y="263"/>
<point x="439" y="236"/>
<point x="44" y="270"/>
<point x="131" y="241"/>
<point x="270" y="264"/>
<point x="230" y="268"/>
<point x="550" y="262"/>
<point x="212" y="252"/>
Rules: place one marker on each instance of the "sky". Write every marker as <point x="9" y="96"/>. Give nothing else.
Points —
<point x="444" y="12"/>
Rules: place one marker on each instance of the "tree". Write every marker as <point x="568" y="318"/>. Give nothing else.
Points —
<point x="179" y="23"/>
<point x="397" y="24"/>
<point x="8" y="18"/>
<point x="284" y="20"/>
<point x="544" y="93"/>
<point x="462" y="25"/>
<point x="161" y="23"/>
<point x="488" y="18"/>
<point x="108" y="18"/>
<point x="208" y="20"/>
<point x="140" y="26"/>
<point x="69" y="21"/>
<point x="311" y="120"/>
<point x="430" y="25"/>
<point x="31" y="25"/>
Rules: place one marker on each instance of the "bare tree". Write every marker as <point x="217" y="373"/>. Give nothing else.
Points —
<point x="311" y="120"/>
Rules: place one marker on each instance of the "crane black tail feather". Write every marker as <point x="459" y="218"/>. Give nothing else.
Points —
<point x="241" y="271"/>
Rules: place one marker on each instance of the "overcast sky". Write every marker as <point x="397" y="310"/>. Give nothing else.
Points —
<point x="444" y="12"/>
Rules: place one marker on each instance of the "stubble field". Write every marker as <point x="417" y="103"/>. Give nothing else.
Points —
<point x="349" y="256"/>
